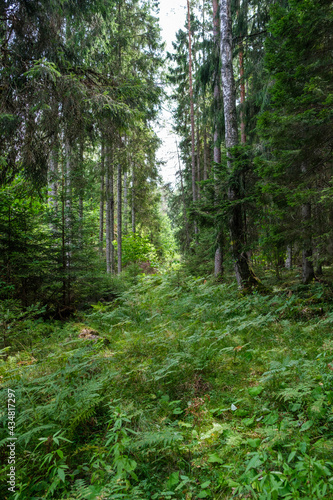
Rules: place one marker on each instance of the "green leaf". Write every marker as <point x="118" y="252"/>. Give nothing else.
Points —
<point x="254" y="443"/>
<point x="61" y="474"/>
<point x="173" y="479"/>
<point x="202" y="494"/>
<point x="214" y="458"/>
<point x="254" y="463"/>
<point x="306" y="425"/>
<point x="255" y="391"/>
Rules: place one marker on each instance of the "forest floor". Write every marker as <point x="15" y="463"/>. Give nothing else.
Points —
<point x="200" y="392"/>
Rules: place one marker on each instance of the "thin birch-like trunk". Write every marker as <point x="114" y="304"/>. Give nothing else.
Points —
<point x="81" y="191"/>
<point x="244" y="275"/>
<point x="119" y="214"/>
<point x="68" y="216"/>
<point x="109" y="216"/>
<point x="133" y="200"/>
<point x="307" y="264"/>
<point x="101" y="202"/>
<point x="53" y="189"/>
<point x="218" y="259"/>
<point x="194" y="196"/>
<point x="125" y="203"/>
<point x="187" y="233"/>
<point x="289" y="260"/>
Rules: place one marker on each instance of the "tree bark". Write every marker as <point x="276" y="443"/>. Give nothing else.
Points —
<point x="218" y="261"/>
<point x="307" y="265"/>
<point x="81" y="192"/>
<point x="53" y="190"/>
<point x="198" y="158"/>
<point x="133" y="200"/>
<point x="194" y="197"/>
<point x="289" y="260"/>
<point x="242" y="92"/>
<point x="187" y="233"/>
<point x="109" y="211"/>
<point x="244" y="275"/>
<point x="101" y="203"/>
<point x="125" y="203"/>
<point x="119" y="219"/>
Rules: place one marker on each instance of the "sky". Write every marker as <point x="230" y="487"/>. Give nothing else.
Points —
<point x="172" y="18"/>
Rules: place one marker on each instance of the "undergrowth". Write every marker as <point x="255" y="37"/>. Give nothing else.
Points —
<point x="202" y="392"/>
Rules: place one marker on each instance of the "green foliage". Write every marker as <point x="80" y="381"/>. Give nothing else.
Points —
<point x="202" y="392"/>
<point x="136" y="248"/>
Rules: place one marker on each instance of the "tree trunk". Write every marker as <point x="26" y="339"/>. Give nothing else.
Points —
<point x="187" y="233"/>
<point x="81" y="192"/>
<point x="125" y="203"/>
<point x="244" y="275"/>
<point x="218" y="261"/>
<point x="119" y="221"/>
<point x="307" y="265"/>
<point x="109" y="211"/>
<point x="198" y="158"/>
<point x="133" y="200"/>
<point x="289" y="260"/>
<point x="53" y="190"/>
<point x="101" y="203"/>
<point x="68" y="217"/>
<point x="242" y="92"/>
<point x="194" y="197"/>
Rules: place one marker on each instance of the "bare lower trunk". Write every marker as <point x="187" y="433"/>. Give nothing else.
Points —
<point x="68" y="217"/>
<point x="109" y="212"/>
<point x="243" y="272"/>
<point x="186" y="225"/>
<point x="125" y="203"/>
<point x="119" y="221"/>
<point x="81" y="191"/>
<point x="108" y="241"/>
<point x="242" y="92"/>
<point x="289" y="260"/>
<point x="218" y="261"/>
<point x="198" y="160"/>
<point x="307" y="264"/>
<point x="205" y="158"/>
<point x="53" y="189"/>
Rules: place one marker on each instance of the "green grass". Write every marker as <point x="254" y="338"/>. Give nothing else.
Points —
<point x="202" y="393"/>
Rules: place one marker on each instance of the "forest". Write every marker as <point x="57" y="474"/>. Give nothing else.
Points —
<point x="166" y="340"/>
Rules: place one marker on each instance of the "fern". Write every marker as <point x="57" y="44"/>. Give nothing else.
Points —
<point x="157" y="439"/>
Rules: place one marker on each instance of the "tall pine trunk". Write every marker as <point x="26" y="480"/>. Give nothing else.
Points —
<point x="125" y="203"/>
<point x="218" y="260"/>
<point x="307" y="264"/>
<point x="101" y="203"/>
<point x="186" y="225"/>
<point x="109" y="216"/>
<point x="194" y="196"/>
<point x="244" y="275"/>
<point x="133" y="200"/>
<point x="119" y="218"/>
<point x="53" y="189"/>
